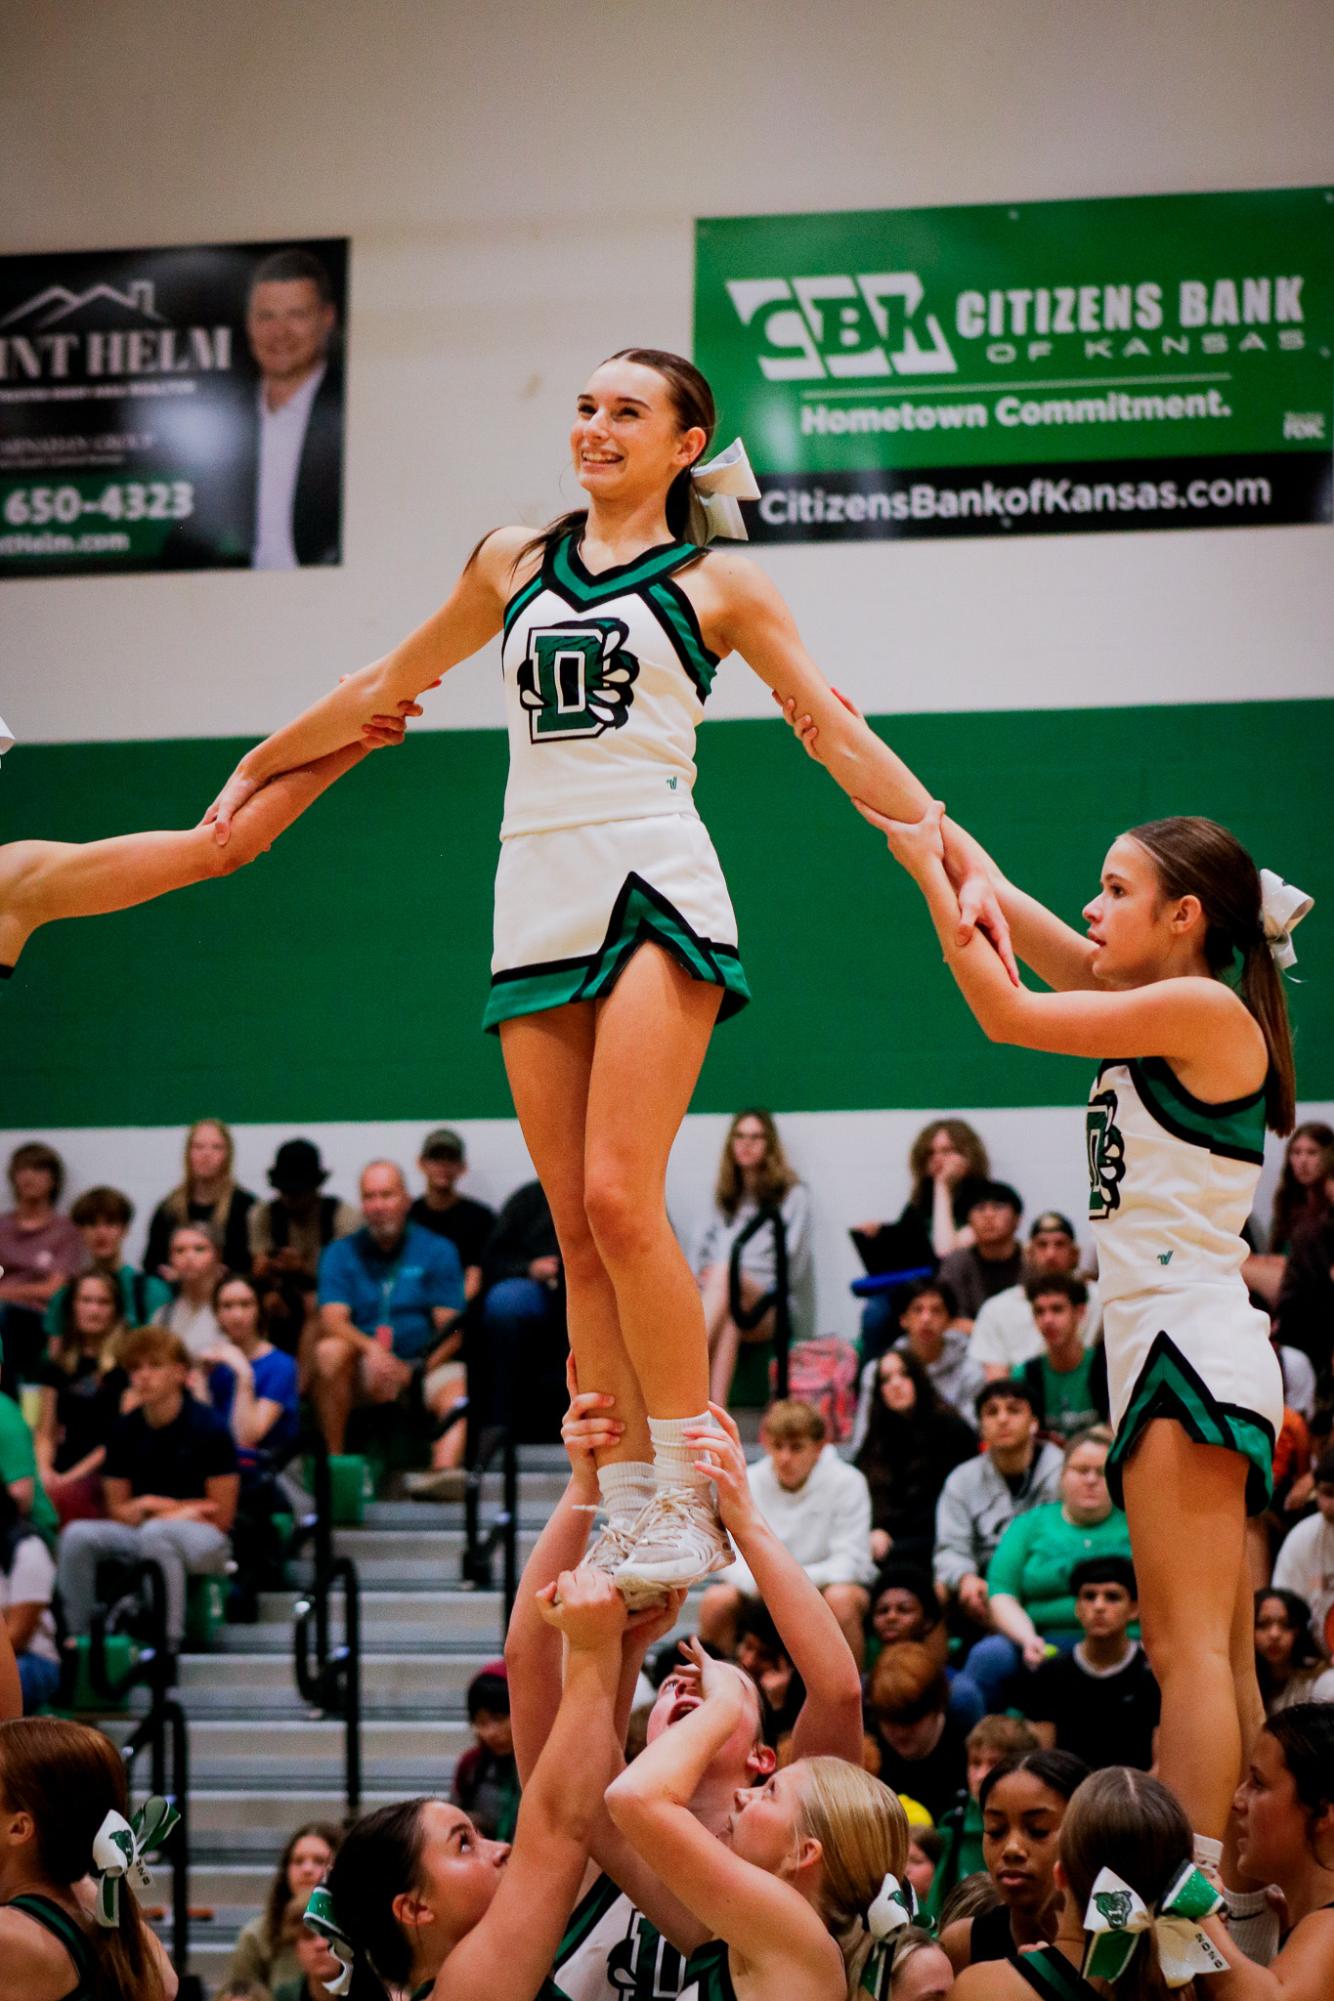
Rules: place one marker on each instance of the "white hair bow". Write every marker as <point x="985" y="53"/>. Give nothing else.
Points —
<point x="715" y="489"/>
<point x="119" y="1847"/>
<point x="1282" y="908"/>
<point x="1117" y="1917"/>
<point x="894" y="1907"/>
<point x="6" y="737"/>
<point x="319" y="1917"/>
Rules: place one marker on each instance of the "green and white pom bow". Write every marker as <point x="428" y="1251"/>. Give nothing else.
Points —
<point x="119" y="1847"/>
<point x="1117" y="1918"/>
<point x="319" y="1916"/>
<point x="893" y="1906"/>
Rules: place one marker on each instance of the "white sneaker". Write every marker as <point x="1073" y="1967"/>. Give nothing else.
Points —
<point x="677" y="1539"/>
<point x="609" y="1549"/>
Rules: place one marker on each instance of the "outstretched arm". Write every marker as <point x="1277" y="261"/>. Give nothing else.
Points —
<point x="42" y="881"/>
<point x="1172" y="1018"/>
<point x="507" y="1954"/>
<point x="469" y="617"/>
<point x="830" y="1722"/>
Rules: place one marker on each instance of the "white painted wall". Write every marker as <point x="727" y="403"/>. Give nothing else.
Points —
<point x="854" y="1162"/>
<point x="520" y="182"/>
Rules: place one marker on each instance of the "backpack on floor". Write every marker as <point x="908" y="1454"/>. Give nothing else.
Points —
<point x="823" y="1372"/>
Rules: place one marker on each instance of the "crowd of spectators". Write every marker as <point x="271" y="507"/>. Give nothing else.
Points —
<point x="961" y="1533"/>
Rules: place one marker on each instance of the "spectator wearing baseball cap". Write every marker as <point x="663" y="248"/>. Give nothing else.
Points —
<point x="287" y="1235"/>
<point x="467" y="1224"/>
<point x="1005" y="1333"/>
<point x="993" y="1262"/>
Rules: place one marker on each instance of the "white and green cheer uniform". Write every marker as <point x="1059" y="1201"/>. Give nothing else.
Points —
<point x="601" y="846"/>
<point x="1172" y="1180"/>
<point x="611" y="1952"/>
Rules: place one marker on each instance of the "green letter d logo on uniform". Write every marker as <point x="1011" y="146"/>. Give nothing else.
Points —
<point x="577" y="679"/>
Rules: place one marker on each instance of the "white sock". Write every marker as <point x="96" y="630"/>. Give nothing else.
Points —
<point x="625" y="1485"/>
<point x="1252" y="1924"/>
<point x="1208" y="1852"/>
<point x="674" y="1455"/>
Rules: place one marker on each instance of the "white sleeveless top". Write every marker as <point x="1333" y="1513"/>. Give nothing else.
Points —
<point x="605" y="683"/>
<point x="1172" y="1180"/>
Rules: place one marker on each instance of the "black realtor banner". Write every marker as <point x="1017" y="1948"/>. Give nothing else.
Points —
<point x="1157" y="361"/>
<point x="172" y="409"/>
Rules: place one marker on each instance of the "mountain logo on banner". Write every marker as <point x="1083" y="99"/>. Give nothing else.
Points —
<point x="58" y="303"/>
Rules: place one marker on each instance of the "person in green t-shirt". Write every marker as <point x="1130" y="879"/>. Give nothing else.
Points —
<point x="1067" y="1381"/>
<point x="1028" y="1578"/>
<point x="18" y="1471"/>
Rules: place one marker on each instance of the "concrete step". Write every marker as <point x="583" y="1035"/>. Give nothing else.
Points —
<point x="234" y="1821"/>
<point x="265" y="1683"/>
<point x="416" y="1756"/>
<point x="401" y="1617"/>
<point x="421" y="1558"/>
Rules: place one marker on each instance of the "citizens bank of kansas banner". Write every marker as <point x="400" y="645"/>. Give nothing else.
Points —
<point x="1160" y="361"/>
<point x="172" y="409"/>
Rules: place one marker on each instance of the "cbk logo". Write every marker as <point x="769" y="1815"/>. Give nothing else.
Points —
<point x="848" y="327"/>
<point x="577" y="679"/>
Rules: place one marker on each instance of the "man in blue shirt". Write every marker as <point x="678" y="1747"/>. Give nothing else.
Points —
<point x="389" y="1296"/>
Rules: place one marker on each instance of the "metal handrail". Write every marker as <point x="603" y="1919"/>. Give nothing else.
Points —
<point x="503" y="1529"/>
<point x="331" y="1681"/>
<point x="161" y="1729"/>
<point x="778" y="1299"/>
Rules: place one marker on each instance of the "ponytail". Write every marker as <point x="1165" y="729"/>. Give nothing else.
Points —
<point x="1123" y="1820"/>
<point x="68" y="1778"/>
<point x="1196" y="857"/>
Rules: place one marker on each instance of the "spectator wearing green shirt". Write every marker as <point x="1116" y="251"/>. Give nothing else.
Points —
<point x="102" y="1217"/>
<point x="1068" y="1380"/>
<point x="1028" y="1579"/>
<point x="18" y="1472"/>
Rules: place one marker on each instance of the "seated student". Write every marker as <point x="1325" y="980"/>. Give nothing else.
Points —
<point x="947" y="1163"/>
<point x="1016" y="1471"/>
<point x="264" y="1952"/>
<point x="905" y="1607"/>
<point x="418" y="1902"/>
<point x="40" y="1250"/>
<point x="27" y="1583"/>
<point x="83" y="1390"/>
<point x="517" y="1361"/>
<point x="58" y="1783"/>
<point x="913" y="1443"/>
<point x="171" y="1486"/>
<point x="1005" y="1332"/>
<point x="259" y="1405"/>
<point x="19" y="1474"/>
<point x="992" y="1741"/>
<point x="102" y="1217"/>
<point x="389" y="1297"/>
<point x="1069" y="1378"/>
<point x="993" y="1261"/>
<point x="1024" y="1801"/>
<point x="1289" y="1666"/>
<point x="196" y="1268"/>
<point x="486" y="1778"/>
<point x="629" y="1919"/>
<point x="468" y="1224"/>
<point x="317" y="1965"/>
<point x="925" y="1311"/>
<point x="1100" y="1700"/>
<point x="819" y="1507"/>
<point x="287" y="1235"/>
<point x="1028" y="1579"/>
<point x="918" y="1969"/>
<point x="1305" y="1564"/>
<point x="787" y="1899"/>
<point x="921" y="1746"/>
<point x="1284" y="1816"/>
<point x="754" y="1174"/>
<point x="760" y="1653"/>
<point x="208" y="1193"/>
<point x="1127" y="1823"/>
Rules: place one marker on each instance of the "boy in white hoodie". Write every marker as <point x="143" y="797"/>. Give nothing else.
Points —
<point x="819" y="1507"/>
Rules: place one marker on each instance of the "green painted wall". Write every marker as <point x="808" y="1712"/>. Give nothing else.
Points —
<point x="343" y="976"/>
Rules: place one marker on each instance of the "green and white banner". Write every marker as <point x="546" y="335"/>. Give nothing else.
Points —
<point x="1155" y="361"/>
